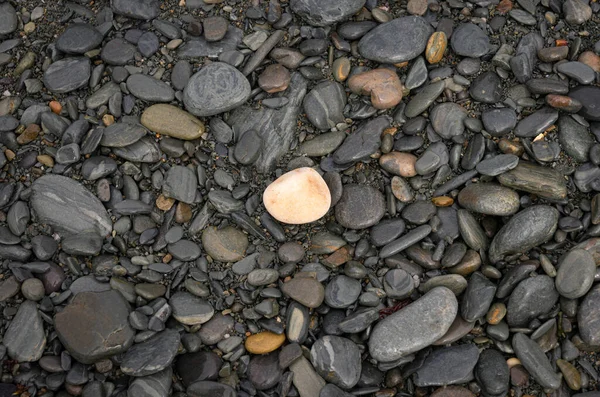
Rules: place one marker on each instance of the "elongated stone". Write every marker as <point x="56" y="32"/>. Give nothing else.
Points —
<point x="527" y="229"/>
<point x="531" y="178"/>
<point x="408" y="330"/>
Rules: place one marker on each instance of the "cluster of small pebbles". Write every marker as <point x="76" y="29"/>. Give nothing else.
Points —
<point x="299" y="198"/>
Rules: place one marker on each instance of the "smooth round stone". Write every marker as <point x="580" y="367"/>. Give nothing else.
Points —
<point x="189" y="309"/>
<point x="264" y="371"/>
<point x="527" y="229"/>
<point x="408" y="330"/>
<point x="172" y="121"/>
<point x="68" y="207"/>
<point x="149" y="89"/>
<point x="468" y="40"/>
<point x="148" y="44"/>
<point x="360" y="207"/>
<point x="452" y="391"/>
<point x="264" y="342"/>
<point x="24" y="339"/>
<point x="261" y="277"/>
<point x="33" y="289"/>
<point x="386" y="231"/>
<point x="499" y="122"/>
<point x="319" y="13"/>
<point x="117" y="52"/>
<point x="478" y="297"/>
<point x="95" y="325"/>
<point x="341" y="292"/>
<point x="577" y="71"/>
<point x="448" y="365"/>
<point x="531" y="298"/>
<point x="8" y="19"/>
<point x="337" y="360"/>
<point x="486" y="88"/>
<point x="305" y="290"/>
<point x="122" y="134"/>
<point x="398" y="284"/>
<point x="153" y="355"/>
<point x="448" y="119"/>
<point x="492" y="373"/>
<point x="435" y="156"/>
<point x="248" y="148"/>
<point x="575" y="274"/>
<point x="324" y="105"/>
<point x="224" y="245"/>
<point x="398" y="163"/>
<point x="574" y="138"/>
<point x="298" y="197"/>
<point x="419" y="212"/>
<point x="67" y="75"/>
<point x="79" y="38"/>
<point x="216" y="88"/>
<point x="382" y="45"/>
<point x="589" y="96"/>
<point x="489" y="199"/>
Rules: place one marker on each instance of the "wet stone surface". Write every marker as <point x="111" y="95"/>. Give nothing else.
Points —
<point x="299" y="198"/>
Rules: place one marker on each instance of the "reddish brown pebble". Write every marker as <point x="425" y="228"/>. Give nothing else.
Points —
<point x="590" y="59"/>
<point x="399" y="163"/>
<point x="383" y="85"/>
<point x="55" y="106"/>
<point x="275" y="78"/>
<point x="563" y="102"/>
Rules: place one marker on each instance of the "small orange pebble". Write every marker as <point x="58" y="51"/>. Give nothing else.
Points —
<point x="108" y="119"/>
<point x="55" y="106"/>
<point x="496" y="313"/>
<point x="511" y="362"/>
<point x="436" y="46"/>
<point x="442" y="201"/>
<point x="561" y="42"/>
<point x="264" y="342"/>
<point x="167" y="258"/>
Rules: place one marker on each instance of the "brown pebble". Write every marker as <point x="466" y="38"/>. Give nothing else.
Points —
<point x="511" y="147"/>
<point x="183" y="213"/>
<point x="108" y="119"/>
<point x="496" y="313"/>
<point x="553" y="54"/>
<point x="442" y="201"/>
<point x="10" y="155"/>
<point x="167" y="258"/>
<point x="416" y="7"/>
<point x="341" y="69"/>
<point x="164" y="203"/>
<point x="55" y="107"/>
<point x="469" y="264"/>
<point x="563" y="102"/>
<point x="46" y="160"/>
<point x="571" y="374"/>
<point x="29" y="135"/>
<point x="264" y="342"/>
<point x="275" y="78"/>
<point x="399" y="163"/>
<point x="383" y="85"/>
<point x="339" y="257"/>
<point x="590" y="59"/>
<point x="519" y="376"/>
<point x="436" y="46"/>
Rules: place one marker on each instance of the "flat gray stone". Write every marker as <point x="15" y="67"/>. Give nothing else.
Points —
<point x="151" y="356"/>
<point x="216" y="88"/>
<point x="408" y="330"/>
<point x="25" y="339"/>
<point x="68" y="207"/>
<point x="67" y="75"/>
